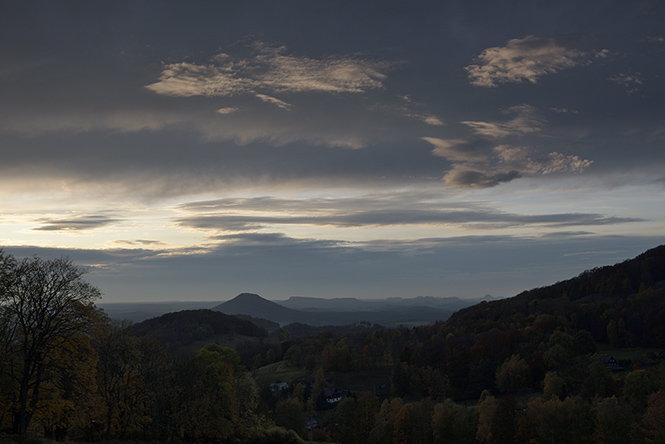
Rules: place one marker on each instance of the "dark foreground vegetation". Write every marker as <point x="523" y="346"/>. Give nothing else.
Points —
<point x="581" y="361"/>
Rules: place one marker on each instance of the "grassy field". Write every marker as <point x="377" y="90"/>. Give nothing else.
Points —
<point x="278" y="372"/>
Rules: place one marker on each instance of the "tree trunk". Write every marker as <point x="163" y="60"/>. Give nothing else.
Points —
<point x="20" y="420"/>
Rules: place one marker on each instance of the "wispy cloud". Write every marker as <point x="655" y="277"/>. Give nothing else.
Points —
<point x="432" y="120"/>
<point x="520" y="60"/>
<point x="227" y="110"/>
<point x="564" y="110"/>
<point x="146" y="242"/>
<point x="631" y="82"/>
<point x="459" y="150"/>
<point x="503" y="163"/>
<point x="518" y="158"/>
<point x="275" y="101"/>
<point x="480" y="161"/>
<point x="80" y="223"/>
<point x="244" y="215"/>
<point x="527" y="120"/>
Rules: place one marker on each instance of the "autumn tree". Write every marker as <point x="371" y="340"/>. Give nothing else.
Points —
<point x="346" y="420"/>
<point x="290" y="414"/>
<point x="413" y="423"/>
<point x="355" y="417"/>
<point x="383" y="430"/>
<point x="51" y="313"/>
<point x="654" y="418"/>
<point x="637" y="388"/>
<point x="132" y="376"/>
<point x="512" y="375"/>
<point x="553" y="385"/>
<point x="487" y="408"/>
<point x="68" y="398"/>
<point x="615" y="422"/>
<point x="368" y="408"/>
<point x="570" y="421"/>
<point x="216" y="398"/>
<point x="599" y="378"/>
<point x="454" y="424"/>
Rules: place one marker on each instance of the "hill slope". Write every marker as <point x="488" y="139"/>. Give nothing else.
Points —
<point x="187" y="326"/>
<point x="622" y="304"/>
<point x="254" y="305"/>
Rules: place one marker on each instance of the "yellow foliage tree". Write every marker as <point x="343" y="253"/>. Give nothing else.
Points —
<point x="49" y="308"/>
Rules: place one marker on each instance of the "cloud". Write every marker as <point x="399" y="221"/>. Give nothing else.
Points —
<point x="557" y="162"/>
<point x="275" y="101"/>
<point x="463" y="266"/>
<point x="564" y="110"/>
<point x="527" y="120"/>
<point x="432" y="120"/>
<point x="270" y="69"/>
<point x="518" y="158"/>
<point x="520" y="60"/>
<point x="147" y="242"/>
<point x="80" y="223"/>
<point x="227" y="110"/>
<point x="384" y="210"/>
<point x="337" y="100"/>
<point x="479" y="162"/>
<point x="461" y="177"/>
<point x="631" y="82"/>
<point x="271" y="240"/>
<point x="408" y="109"/>
<point x="458" y="150"/>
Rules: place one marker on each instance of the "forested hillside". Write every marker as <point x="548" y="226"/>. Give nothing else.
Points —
<point x="184" y="327"/>
<point x="622" y="304"/>
<point x="535" y="368"/>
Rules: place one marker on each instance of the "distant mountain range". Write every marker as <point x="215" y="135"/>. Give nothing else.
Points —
<point x="622" y="304"/>
<point x="388" y="312"/>
<point x="343" y="311"/>
<point x="353" y="304"/>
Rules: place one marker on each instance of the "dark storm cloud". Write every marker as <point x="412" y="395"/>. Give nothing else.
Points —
<point x="80" y="73"/>
<point x="80" y="223"/>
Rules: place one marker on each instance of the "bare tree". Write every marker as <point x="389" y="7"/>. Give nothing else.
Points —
<point x="51" y="312"/>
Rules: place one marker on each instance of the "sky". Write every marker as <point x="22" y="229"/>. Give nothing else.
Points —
<point x="197" y="150"/>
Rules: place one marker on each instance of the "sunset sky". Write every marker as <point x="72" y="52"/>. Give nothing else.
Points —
<point x="196" y="150"/>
